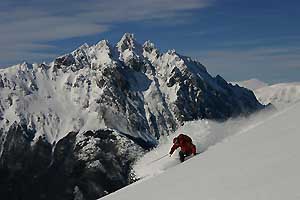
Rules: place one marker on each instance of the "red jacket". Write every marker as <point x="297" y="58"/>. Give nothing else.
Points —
<point x="185" y="143"/>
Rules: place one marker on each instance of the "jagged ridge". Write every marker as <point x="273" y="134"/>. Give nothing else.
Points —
<point x="130" y="88"/>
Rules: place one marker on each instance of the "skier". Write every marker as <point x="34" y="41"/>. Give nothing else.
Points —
<point x="186" y="146"/>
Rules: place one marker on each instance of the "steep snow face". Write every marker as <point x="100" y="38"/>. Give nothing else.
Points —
<point x="51" y="103"/>
<point x="128" y="87"/>
<point x="280" y="95"/>
<point x="260" y="162"/>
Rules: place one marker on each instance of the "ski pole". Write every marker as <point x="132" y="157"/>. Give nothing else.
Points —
<point x="158" y="159"/>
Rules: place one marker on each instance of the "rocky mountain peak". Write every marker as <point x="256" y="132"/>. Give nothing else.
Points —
<point x="83" y="47"/>
<point x="129" y="49"/>
<point x="150" y="51"/>
<point x="127" y="42"/>
<point x="103" y="44"/>
<point x="101" y="54"/>
<point x="149" y="46"/>
<point x="25" y="66"/>
<point x="130" y="95"/>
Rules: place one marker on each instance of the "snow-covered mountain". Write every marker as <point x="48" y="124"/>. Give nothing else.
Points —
<point x="281" y="95"/>
<point x="92" y="112"/>
<point x="260" y="161"/>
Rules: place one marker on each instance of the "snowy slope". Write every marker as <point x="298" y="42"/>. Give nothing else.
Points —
<point x="205" y="133"/>
<point x="260" y="162"/>
<point x="252" y="84"/>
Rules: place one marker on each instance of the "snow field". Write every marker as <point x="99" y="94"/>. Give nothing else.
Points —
<point x="259" y="162"/>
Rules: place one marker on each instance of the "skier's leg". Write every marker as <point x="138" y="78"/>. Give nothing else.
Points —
<point x="181" y="156"/>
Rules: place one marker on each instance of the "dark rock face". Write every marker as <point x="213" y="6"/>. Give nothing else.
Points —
<point x="80" y="166"/>
<point x="199" y="99"/>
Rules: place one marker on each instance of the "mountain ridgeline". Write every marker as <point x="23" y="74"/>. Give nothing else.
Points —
<point x="71" y="129"/>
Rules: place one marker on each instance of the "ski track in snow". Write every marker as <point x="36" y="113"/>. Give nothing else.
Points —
<point x="205" y="134"/>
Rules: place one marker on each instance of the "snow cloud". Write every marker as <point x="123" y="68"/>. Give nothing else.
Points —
<point x="27" y="25"/>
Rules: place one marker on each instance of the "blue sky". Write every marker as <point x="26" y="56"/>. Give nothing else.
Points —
<point x="238" y="39"/>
